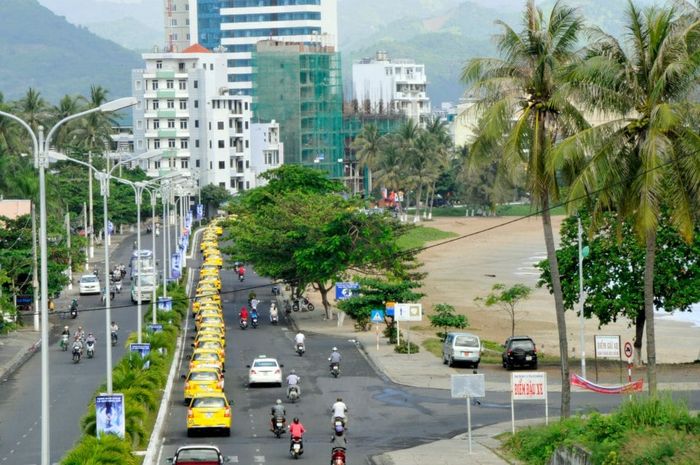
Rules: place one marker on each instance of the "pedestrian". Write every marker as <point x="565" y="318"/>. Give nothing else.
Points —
<point x="52" y="305"/>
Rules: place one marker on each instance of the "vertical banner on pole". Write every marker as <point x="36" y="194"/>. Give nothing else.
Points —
<point x="110" y="417"/>
<point x="468" y="387"/>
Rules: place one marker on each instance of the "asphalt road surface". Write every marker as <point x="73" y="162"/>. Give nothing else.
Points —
<point x="72" y="386"/>
<point x="382" y="416"/>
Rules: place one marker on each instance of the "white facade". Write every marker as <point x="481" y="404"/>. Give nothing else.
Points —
<point x="184" y="107"/>
<point x="177" y="24"/>
<point x="249" y="21"/>
<point x="266" y="149"/>
<point x="399" y="85"/>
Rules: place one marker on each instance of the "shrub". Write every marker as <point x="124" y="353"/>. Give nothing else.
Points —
<point x="404" y="346"/>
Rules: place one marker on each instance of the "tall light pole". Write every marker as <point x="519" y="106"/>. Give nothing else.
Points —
<point x="40" y="148"/>
<point x="582" y="252"/>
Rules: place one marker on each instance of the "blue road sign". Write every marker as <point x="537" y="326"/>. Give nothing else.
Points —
<point x="346" y="290"/>
<point x="377" y="316"/>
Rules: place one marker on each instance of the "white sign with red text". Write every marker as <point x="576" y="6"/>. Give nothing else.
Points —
<point x="530" y="385"/>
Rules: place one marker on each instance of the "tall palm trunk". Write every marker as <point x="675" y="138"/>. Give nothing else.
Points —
<point x="416" y="218"/>
<point x="638" y="336"/>
<point x="432" y="201"/>
<point x="369" y="182"/>
<point x="559" y="307"/>
<point x="649" y="262"/>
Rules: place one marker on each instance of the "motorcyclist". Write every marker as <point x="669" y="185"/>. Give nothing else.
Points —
<point x="254" y="313"/>
<point x="241" y="271"/>
<point x="244" y="313"/>
<point x="296" y="430"/>
<point x="273" y="311"/>
<point x="335" y="357"/>
<point x="293" y="382"/>
<point x="78" y="345"/>
<point x="339" y="444"/>
<point x="65" y="332"/>
<point x="90" y="339"/>
<point x="339" y="410"/>
<point x="277" y="411"/>
<point x="299" y="339"/>
<point x="74" y="304"/>
<point x="113" y="329"/>
<point x="80" y="334"/>
<point x="254" y="303"/>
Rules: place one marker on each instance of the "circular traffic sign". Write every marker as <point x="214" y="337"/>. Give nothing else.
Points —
<point x="628" y="349"/>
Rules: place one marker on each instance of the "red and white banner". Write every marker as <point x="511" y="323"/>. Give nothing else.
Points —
<point x="635" y="386"/>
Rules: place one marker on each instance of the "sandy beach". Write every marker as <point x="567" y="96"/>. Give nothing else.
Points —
<point x="468" y="268"/>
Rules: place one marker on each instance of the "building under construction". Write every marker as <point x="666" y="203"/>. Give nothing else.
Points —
<point x="301" y="87"/>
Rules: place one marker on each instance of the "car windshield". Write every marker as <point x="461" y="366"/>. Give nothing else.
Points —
<point x="146" y="280"/>
<point x="265" y="363"/>
<point x="524" y="344"/>
<point x="209" y="402"/>
<point x="203" y="376"/>
<point x="210" y="345"/>
<point x="467" y="341"/>
<point x="205" y="356"/>
<point x="89" y="279"/>
<point x="197" y="455"/>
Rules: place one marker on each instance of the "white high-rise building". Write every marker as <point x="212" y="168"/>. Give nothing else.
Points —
<point x="267" y="151"/>
<point x="185" y="108"/>
<point x="238" y="25"/>
<point x="177" y="25"/>
<point x="397" y="85"/>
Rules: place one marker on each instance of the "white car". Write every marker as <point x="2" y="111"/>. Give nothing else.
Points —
<point x="265" y="370"/>
<point x="89" y="284"/>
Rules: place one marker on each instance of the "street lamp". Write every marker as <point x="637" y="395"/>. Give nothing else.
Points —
<point x="41" y="147"/>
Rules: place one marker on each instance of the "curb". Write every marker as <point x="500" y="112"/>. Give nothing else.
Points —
<point x="18" y="360"/>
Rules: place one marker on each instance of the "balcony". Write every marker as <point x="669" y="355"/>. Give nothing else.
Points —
<point x="165" y="74"/>
<point x="166" y="113"/>
<point x="165" y="93"/>
<point x="167" y="133"/>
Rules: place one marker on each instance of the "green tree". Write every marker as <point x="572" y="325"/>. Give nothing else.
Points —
<point x="506" y="298"/>
<point x="525" y="108"/>
<point x="33" y="109"/>
<point x="369" y="145"/>
<point x="445" y="317"/>
<point x="613" y="273"/>
<point x="214" y="196"/>
<point x="647" y="153"/>
<point x="67" y="106"/>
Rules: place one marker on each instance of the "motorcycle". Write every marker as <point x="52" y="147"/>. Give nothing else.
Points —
<point x="274" y="319"/>
<point x="76" y="354"/>
<point x="244" y="324"/>
<point x="338" y="456"/>
<point x="114" y="338"/>
<point x="241" y="277"/>
<point x="74" y="313"/>
<point x="300" y="349"/>
<point x="335" y="369"/>
<point x="64" y="342"/>
<point x="293" y="394"/>
<point x="296" y="448"/>
<point x="338" y="421"/>
<point x="90" y="349"/>
<point x="275" y="290"/>
<point x="303" y="304"/>
<point x="254" y="321"/>
<point x="111" y="295"/>
<point x="278" y="426"/>
<point x="96" y="272"/>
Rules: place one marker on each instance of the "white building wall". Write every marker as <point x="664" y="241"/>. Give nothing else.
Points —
<point x="177" y="23"/>
<point x="267" y="151"/>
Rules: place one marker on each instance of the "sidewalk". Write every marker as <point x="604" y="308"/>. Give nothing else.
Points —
<point x="17" y="347"/>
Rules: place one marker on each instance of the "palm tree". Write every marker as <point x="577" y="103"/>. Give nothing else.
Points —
<point x="389" y="172"/>
<point x="368" y="146"/>
<point x="524" y="110"/>
<point x="33" y="109"/>
<point x="93" y="131"/>
<point x="68" y="105"/>
<point x="10" y="136"/>
<point x="442" y="141"/>
<point x="405" y="139"/>
<point x="646" y="156"/>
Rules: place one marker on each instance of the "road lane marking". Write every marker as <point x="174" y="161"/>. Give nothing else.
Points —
<point x="259" y="459"/>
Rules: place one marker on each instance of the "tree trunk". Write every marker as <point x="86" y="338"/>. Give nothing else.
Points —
<point x="432" y="201"/>
<point x="559" y="307"/>
<point x="638" y="336"/>
<point x="369" y="183"/>
<point x="324" y="299"/>
<point x="649" y="261"/>
<point x="416" y="218"/>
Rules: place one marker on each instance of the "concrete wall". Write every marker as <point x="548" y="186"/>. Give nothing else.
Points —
<point x="574" y="455"/>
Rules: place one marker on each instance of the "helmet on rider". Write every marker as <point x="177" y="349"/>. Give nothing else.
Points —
<point x="292" y="372"/>
<point x="65" y="327"/>
<point x="278" y="402"/>
<point x="335" y="349"/>
<point x="339" y="399"/>
<point x="296" y="420"/>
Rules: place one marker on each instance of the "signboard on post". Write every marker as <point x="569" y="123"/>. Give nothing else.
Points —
<point x="408" y="312"/>
<point x="607" y="346"/>
<point x="143" y="349"/>
<point x="346" y="290"/>
<point x="468" y="387"/>
<point x="530" y="385"/>
<point x="165" y="304"/>
<point x="390" y="309"/>
<point x="110" y="417"/>
<point x="377" y="317"/>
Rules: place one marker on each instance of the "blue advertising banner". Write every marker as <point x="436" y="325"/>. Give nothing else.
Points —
<point x="110" y="228"/>
<point x="165" y="304"/>
<point x="143" y="349"/>
<point x="346" y="290"/>
<point x="175" y="266"/>
<point x="110" y="417"/>
<point x="200" y="211"/>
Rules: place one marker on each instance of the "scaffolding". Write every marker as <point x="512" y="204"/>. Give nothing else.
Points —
<point x="301" y="87"/>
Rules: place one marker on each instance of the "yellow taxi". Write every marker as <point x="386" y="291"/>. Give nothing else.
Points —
<point x="211" y="280"/>
<point x="208" y="242"/>
<point x="217" y="331"/>
<point x="218" y="229"/>
<point x="206" y="358"/>
<point x="204" y="288"/>
<point x="209" y="411"/>
<point x="211" y="272"/>
<point x="210" y="320"/>
<point x="210" y="337"/>
<point x="215" y="260"/>
<point x="202" y="380"/>
<point x="205" y="302"/>
<point x="209" y="343"/>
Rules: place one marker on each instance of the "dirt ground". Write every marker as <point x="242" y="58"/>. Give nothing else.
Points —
<point x="468" y="268"/>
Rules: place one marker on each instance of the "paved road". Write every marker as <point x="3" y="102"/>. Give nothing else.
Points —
<point x="71" y="386"/>
<point x="383" y="416"/>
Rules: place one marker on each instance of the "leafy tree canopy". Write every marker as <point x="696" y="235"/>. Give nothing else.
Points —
<point x="445" y="317"/>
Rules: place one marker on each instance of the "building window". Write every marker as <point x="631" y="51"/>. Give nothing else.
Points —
<point x="156" y="165"/>
<point x="246" y="143"/>
<point x="222" y="144"/>
<point x="171" y="104"/>
<point x="222" y="165"/>
<point x="183" y="104"/>
<point x="247" y="164"/>
<point x="187" y="22"/>
<point x="170" y="84"/>
<point x="246" y="124"/>
<point x="154" y="85"/>
<point x="156" y="104"/>
<point x="171" y="143"/>
<point x="220" y="125"/>
<point x="222" y="184"/>
<point x="196" y="84"/>
<point x="247" y="185"/>
<point x="159" y="64"/>
<point x="181" y="66"/>
<point x="196" y="103"/>
<point x="137" y="85"/>
<point x="196" y="162"/>
<point x="171" y="124"/>
<point x="196" y="143"/>
<point x="156" y="143"/>
<point x="246" y="105"/>
<point x="183" y="124"/>
<point x="139" y="144"/>
<point x="184" y="144"/>
<point x="196" y="123"/>
<point x="139" y="124"/>
<point x="173" y="22"/>
<point x="156" y="124"/>
<point x="185" y="164"/>
<point x="182" y="85"/>
<point x="232" y="183"/>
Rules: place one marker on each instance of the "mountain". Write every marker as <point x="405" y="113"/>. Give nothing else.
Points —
<point x="87" y="12"/>
<point x="129" y="33"/>
<point x="41" y="50"/>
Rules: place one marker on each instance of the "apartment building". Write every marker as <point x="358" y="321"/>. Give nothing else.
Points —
<point x="176" y="25"/>
<point x="266" y="149"/>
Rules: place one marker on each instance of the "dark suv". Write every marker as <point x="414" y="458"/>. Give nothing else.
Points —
<point x="519" y="351"/>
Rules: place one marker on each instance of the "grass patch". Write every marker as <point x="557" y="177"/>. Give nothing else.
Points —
<point x="434" y="346"/>
<point x="501" y="210"/>
<point x="642" y="431"/>
<point x="417" y="237"/>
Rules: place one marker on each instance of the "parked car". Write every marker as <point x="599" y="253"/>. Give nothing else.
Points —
<point x="519" y="351"/>
<point x="89" y="284"/>
<point x="198" y="455"/>
<point x="461" y="347"/>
